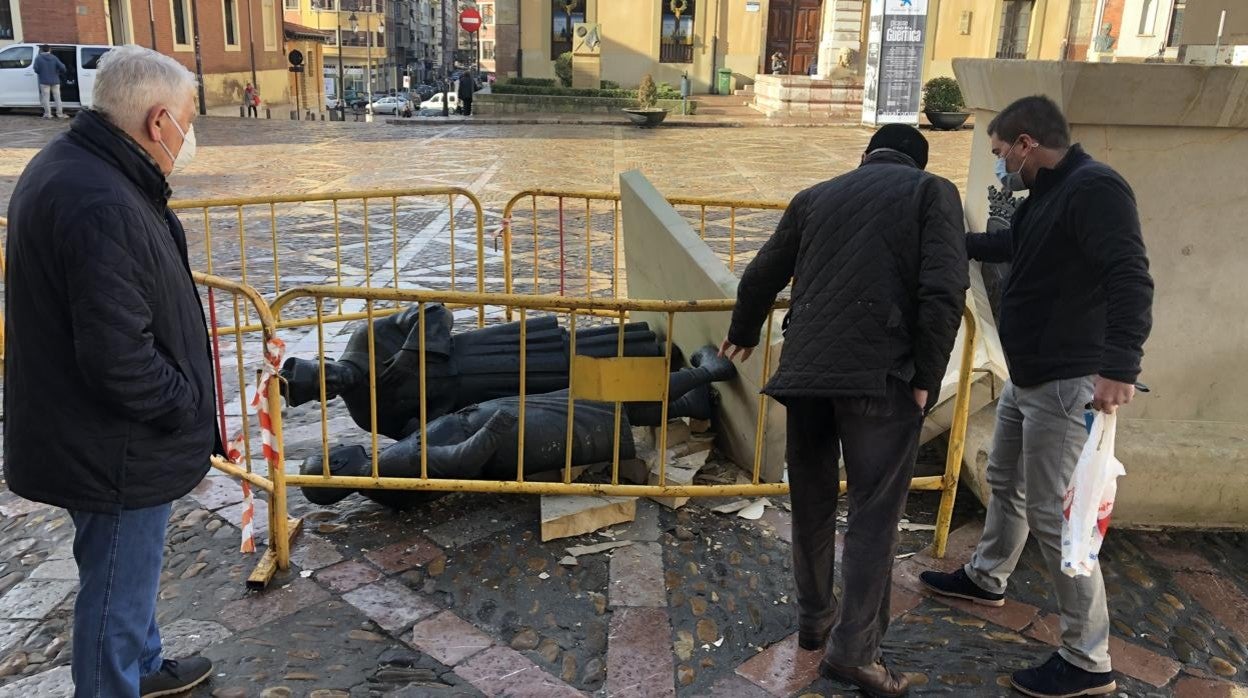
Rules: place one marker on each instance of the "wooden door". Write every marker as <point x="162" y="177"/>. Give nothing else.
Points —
<point x="793" y="30"/>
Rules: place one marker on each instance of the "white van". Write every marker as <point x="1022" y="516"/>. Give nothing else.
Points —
<point x="19" y="87"/>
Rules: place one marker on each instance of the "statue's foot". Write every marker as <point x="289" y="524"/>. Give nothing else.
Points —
<point x="343" y="460"/>
<point x="719" y="367"/>
<point x="698" y="403"/>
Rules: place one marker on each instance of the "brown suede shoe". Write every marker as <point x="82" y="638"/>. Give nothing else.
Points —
<point x="874" y="679"/>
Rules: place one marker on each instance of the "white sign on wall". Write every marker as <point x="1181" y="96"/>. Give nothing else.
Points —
<point x="896" y="40"/>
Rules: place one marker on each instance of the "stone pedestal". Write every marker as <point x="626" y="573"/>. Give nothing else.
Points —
<point x="587" y="71"/>
<point x="1179" y="135"/>
<point x="790" y="95"/>
<point x="841" y="41"/>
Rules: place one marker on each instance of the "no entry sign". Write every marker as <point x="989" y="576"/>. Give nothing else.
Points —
<point x="470" y="20"/>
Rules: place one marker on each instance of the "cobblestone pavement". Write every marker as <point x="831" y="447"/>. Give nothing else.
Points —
<point x="460" y="597"/>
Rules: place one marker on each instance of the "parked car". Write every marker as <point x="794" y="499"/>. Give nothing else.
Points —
<point x="354" y="99"/>
<point x="392" y="105"/>
<point x="19" y="87"/>
<point x="433" y="105"/>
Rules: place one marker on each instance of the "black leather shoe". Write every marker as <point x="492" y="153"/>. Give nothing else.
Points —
<point x="873" y="679"/>
<point x="1058" y="678"/>
<point x="175" y="676"/>
<point x="958" y="585"/>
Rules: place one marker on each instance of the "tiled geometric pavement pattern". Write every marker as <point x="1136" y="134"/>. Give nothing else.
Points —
<point x="459" y="597"/>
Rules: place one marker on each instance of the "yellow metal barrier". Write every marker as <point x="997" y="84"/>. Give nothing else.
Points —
<point x="239" y="298"/>
<point x="317" y="229"/>
<point x="580" y="222"/>
<point x="611" y="380"/>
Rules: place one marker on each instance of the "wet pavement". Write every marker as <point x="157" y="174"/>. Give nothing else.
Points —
<point x="459" y="597"/>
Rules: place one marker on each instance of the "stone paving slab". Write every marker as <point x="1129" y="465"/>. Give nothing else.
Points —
<point x="639" y="654"/>
<point x="391" y="605"/>
<point x="502" y="671"/>
<point x="448" y="639"/>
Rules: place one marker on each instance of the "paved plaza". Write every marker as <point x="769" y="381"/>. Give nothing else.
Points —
<point x="460" y="597"/>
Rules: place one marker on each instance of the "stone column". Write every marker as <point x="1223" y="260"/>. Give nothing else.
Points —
<point x="842" y="25"/>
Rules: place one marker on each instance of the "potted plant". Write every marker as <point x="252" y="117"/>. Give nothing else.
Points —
<point x="943" y="105"/>
<point x="646" y="114"/>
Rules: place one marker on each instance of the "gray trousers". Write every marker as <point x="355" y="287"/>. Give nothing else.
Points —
<point x="880" y="440"/>
<point x="1040" y="432"/>
<point x="46" y="94"/>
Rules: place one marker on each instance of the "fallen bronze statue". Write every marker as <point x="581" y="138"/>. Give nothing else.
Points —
<point x="460" y="369"/>
<point x="479" y="442"/>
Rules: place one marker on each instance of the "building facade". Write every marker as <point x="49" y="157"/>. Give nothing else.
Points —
<point x="498" y="49"/>
<point x="356" y="53"/>
<point x="239" y="41"/>
<point x="307" y="86"/>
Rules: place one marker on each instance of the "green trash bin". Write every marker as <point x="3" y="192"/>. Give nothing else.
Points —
<point x="724" y="82"/>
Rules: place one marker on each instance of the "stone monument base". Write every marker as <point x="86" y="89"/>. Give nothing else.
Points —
<point x="799" y="95"/>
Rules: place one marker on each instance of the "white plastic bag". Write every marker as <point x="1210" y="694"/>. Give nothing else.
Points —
<point x="1090" y="498"/>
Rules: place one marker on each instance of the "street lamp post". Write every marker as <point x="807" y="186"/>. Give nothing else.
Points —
<point x="342" y="83"/>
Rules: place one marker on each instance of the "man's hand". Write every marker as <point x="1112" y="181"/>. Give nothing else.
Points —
<point x="1108" y="395"/>
<point x="732" y="351"/>
<point x="920" y="399"/>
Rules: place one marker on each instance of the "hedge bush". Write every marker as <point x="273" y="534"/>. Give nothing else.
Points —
<point x="530" y="82"/>
<point x="511" y="88"/>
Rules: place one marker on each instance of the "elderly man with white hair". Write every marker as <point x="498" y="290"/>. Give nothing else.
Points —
<point x="108" y="396"/>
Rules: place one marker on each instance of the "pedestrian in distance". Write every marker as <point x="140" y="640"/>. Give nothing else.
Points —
<point x="251" y="98"/>
<point x="877" y="261"/>
<point x="466" y="88"/>
<point x="50" y="70"/>
<point x="108" y="395"/>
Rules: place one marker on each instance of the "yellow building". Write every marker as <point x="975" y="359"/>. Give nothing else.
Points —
<point x="360" y="61"/>
<point x="671" y="38"/>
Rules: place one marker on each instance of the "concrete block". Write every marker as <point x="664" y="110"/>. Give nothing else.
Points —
<point x="566" y="516"/>
<point x="666" y="259"/>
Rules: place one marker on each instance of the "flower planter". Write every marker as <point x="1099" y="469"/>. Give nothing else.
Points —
<point x="947" y="120"/>
<point x="646" y="118"/>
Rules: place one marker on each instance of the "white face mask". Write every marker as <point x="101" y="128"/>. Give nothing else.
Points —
<point x="187" y="153"/>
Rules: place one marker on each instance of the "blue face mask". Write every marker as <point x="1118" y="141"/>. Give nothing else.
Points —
<point x="1012" y="181"/>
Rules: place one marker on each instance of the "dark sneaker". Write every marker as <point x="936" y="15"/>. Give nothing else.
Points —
<point x="960" y="586"/>
<point x="175" y="676"/>
<point x="872" y="679"/>
<point x="1058" y="678"/>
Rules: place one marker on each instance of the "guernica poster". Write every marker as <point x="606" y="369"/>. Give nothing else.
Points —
<point x="895" y="46"/>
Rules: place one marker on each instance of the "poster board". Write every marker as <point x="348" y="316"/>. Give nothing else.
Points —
<point x="896" y="38"/>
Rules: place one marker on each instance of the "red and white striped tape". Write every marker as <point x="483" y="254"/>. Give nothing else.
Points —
<point x="274" y="348"/>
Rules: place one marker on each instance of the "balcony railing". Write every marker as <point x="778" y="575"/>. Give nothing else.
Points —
<point x="675" y="53"/>
<point x="350" y="5"/>
<point x="360" y="39"/>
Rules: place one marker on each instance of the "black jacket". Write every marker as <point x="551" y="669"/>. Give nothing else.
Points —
<point x="466" y="87"/>
<point x="108" y="396"/>
<point x="1078" y="300"/>
<point x="879" y="282"/>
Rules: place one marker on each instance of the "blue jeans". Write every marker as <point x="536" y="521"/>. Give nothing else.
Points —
<point x="116" y="640"/>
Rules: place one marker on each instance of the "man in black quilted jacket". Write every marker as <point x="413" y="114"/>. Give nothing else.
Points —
<point x="878" y="263"/>
<point x="108" y="396"/>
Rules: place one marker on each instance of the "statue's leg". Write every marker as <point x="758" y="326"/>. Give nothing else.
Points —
<point x="688" y="390"/>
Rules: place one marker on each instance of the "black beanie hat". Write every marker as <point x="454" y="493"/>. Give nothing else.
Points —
<point x="902" y="138"/>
